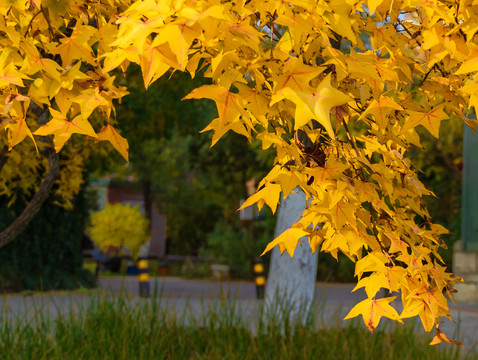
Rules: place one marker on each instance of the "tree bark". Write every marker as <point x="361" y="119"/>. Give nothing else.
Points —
<point x="291" y="283"/>
<point x="35" y="204"/>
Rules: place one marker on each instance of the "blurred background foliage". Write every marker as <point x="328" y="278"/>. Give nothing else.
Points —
<point x="198" y="188"/>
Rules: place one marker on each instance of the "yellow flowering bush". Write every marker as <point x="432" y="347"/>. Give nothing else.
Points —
<point x="119" y="226"/>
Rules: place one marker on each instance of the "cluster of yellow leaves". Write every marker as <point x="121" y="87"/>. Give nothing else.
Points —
<point x="50" y="55"/>
<point x="121" y="227"/>
<point x="23" y="169"/>
<point x="337" y="87"/>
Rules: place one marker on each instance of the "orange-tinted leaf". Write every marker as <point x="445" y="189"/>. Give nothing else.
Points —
<point x="440" y="337"/>
<point x="373" y="310"/>
<point x="76" y="46"/>
<point x="381" y="109"/>
<point x="430" y="120"/>
<point x="269" y="194"/>
<point x="17" y="131"/>
<point x="62" y="129"/>
<point x="119" y="143"/>
<point x="287" y="241"/>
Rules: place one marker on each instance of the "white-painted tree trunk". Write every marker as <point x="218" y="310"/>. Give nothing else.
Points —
<point x="291" y="281"/>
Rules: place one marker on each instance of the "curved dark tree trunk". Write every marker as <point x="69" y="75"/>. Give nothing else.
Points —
<point x="35" y="204"/>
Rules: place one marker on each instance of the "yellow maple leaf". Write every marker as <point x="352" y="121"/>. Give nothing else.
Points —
<point x="289" y="181"/>
<point x="471" y="64"/>
<point x="315" y="104"/>
<point x="62" y="129"/>
<point x="287" y="241"/>
<point x="119" y="143"/>
<point x="155" y="61"/>
<point x="381" y="109"/>
<point x="180" y="38"/>
<point x="269" y="195"/>
<point x="296" y="78"/>
<point x="373" y="284"/>
<point x="8" y="72"/>
<point x="89" y="100"/>
<point x="440" y="337"/>
<point x="135" y="31"/>
<point x="373" y="310"/>
<point x="431" y="120"/>
<point x="17" y="131"/>
<point x="331" y="170"/>
<point x="76" y="46"/>
<point x="344" y="213"/>
<point x="229" y="106"/>
<point x="57" y="10"/>
<point x="413" y="307"/>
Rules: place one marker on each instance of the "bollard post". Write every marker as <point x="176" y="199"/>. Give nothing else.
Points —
<point x="143" y="277"/>
<point x="259" y="277"/>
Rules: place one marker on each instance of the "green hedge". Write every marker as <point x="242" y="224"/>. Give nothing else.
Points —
<point x="47" y="255"/>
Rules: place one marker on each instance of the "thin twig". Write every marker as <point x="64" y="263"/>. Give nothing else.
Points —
<point x="31" y="22"/>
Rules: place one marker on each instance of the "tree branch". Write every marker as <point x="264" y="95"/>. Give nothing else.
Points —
<point x="35" y="204"/>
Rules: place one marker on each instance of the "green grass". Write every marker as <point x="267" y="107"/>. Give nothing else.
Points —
<point x="126" y="328"/>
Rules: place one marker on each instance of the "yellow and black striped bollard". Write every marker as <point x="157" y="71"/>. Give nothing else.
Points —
<point x="143" y="277"/>
<point x="259" y="277"/>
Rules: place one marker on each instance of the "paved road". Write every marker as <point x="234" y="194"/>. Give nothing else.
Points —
<point x="184" y="288"/>
<point x="199" y="296"/>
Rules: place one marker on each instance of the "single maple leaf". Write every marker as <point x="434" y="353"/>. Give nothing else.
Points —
<point x="17" y="131"/>
<point x="372" y="310"/>
<point x="269" y="194"/>
<point x="8" y="72"/>
<point x="119" y="143"/>
<point x="62" y="129"/>
<point x="430" y="120"/>
<point x="179" y="38"/>
<point x="471" y="64"/>
<point x="228" y="104"/>
<point x="155" y="62"/>
<point x="317" y="105"/>
<point x="380" y="110"/>
<point x="287" y="241"/>
<point x="289" y="181"/>
<point x="440" y="337"/>
<point x="76" y="46"/>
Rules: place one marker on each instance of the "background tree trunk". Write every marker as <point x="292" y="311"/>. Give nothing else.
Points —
<point x="291" y="281"/>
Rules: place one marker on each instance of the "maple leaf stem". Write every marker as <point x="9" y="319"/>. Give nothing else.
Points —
<point x="374" y="230"/>
<point x="50" y="28"/>
<point x="349" y="135"/>
<point x="31" y="22"/>
<point x="407" y="31"/>
<point x="354" y="145"/>
<point x="427" y="74"/>
<point x="271" y="26"/>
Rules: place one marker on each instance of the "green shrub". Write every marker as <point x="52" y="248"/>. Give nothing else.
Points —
<point x="237" y="246"/>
